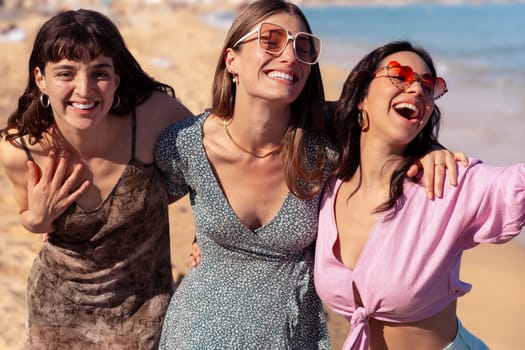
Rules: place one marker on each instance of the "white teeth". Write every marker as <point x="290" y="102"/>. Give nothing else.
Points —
<point x="280" y="75"/>
<point x="83" y="105"/>
<point x="408" y="106"/>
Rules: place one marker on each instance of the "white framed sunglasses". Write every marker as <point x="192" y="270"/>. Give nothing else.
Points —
<point x="273" y="39"/>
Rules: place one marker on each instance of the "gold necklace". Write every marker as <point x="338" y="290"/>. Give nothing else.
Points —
<point x="255" y="154"/>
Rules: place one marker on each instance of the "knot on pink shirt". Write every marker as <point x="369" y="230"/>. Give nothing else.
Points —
<point x="359" y="333"/>
<point x="359" y="317"/>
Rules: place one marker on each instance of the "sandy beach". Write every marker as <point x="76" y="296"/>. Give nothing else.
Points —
<point x="176" y="47"/>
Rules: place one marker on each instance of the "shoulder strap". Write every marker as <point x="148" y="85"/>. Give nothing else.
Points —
<point x="133" y="132"/>
<point x="26" y="149"/>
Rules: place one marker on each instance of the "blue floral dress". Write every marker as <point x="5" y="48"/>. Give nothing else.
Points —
<point x="253" y="288"/>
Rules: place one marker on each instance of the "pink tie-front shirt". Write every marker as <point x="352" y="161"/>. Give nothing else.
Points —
<point x="409" y="267"/>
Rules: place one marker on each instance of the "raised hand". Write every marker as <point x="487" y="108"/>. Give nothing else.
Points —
<point x="51" y="192"/>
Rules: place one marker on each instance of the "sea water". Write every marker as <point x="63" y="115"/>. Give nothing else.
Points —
<point x="478" y="48"/>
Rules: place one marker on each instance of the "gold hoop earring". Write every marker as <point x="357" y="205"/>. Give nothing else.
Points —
<point x="45" y="104"/>
<point x="362" y="120"/>
<point x="117" y="103"/>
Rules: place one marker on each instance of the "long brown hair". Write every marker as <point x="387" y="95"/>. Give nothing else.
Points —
<point x="307" y="118"/>
<point x="348" y="131"/>
<point x="68" y="35"/>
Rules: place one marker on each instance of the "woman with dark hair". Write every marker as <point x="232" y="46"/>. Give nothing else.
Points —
<point x="387" y="258"/>
<point x="254" y="166"/>
<point x="103" y="279"/>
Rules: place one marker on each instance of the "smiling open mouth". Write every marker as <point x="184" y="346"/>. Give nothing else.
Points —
<point x="83" y="105"/>
<point x="281" y="75"/>
<point x="407" y="110"/>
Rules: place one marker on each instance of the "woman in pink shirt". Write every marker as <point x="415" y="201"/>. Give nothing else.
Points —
<point x="387" y="257"/>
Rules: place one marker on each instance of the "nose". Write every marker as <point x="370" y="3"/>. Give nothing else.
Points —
<point x="415" y="87"/>
<point x="83" y="85"/>
<point x="288" y="54"/>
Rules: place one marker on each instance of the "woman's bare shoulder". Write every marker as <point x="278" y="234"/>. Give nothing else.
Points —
<point x="154" y="116"/>
<point x="162" y="110"/>
<point x="13" y="163"/>
<point x="12" y="155"/>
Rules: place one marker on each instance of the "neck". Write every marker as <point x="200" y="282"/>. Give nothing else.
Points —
<point x="259" y="126"/>
<point x="378" y="162"/>
<point x="86" y="144"/>
<point x="257" y="153"/>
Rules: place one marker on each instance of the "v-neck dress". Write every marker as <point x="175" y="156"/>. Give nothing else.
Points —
<point x="253" y="289"/>
<point x="103" y="280"/>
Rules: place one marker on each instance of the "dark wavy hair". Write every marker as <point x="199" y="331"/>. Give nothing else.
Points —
<point x="307" y="116"/>
<point x="347" y="132"/>
<point x="68" y="35"/>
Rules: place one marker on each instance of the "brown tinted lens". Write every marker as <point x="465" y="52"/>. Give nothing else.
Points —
<point x="272" y="37"/>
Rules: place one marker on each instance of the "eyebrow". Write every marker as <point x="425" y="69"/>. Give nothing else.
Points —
<point x="70" y="66"/>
